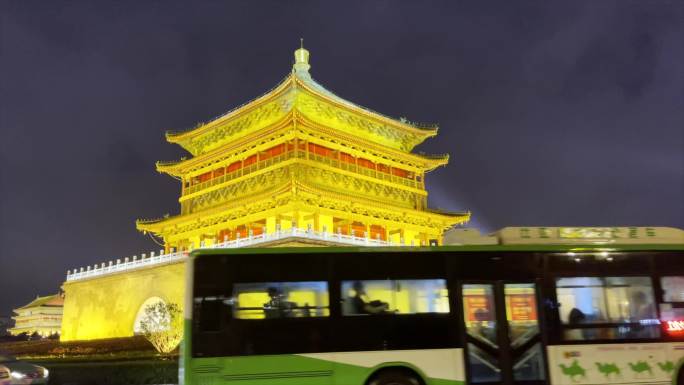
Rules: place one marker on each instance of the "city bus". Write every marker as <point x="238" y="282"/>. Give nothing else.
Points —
<point x="577" y="311"/>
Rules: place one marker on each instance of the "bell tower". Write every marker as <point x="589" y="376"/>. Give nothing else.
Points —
<point x="299" y="165"/>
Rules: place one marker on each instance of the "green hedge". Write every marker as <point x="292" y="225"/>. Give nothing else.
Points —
<point x="133" y="372"/>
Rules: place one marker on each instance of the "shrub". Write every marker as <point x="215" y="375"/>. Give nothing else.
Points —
<point x="162" y="325"/>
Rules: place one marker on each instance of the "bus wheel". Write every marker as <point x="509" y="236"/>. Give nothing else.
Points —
<point x="395" y="377"/>
<point x="680" y="377"/>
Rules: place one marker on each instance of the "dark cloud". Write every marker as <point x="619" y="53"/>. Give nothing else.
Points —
<point x="554" y="113"/>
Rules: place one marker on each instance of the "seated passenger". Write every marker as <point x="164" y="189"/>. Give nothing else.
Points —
<point x="576" y="317"/>
<point x="361" y="306"/>
<point x="643" y="312"/>
<point x="277" y="306"/>
<point x="305" y="311"/>
<point x="642" y="309"/>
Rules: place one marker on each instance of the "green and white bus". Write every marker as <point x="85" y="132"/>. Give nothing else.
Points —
<point x="584" y="312"/>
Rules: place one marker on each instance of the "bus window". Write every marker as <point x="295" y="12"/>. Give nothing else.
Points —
<point x="607" y="300"/>
<point x="280" y="300"/>
<point x="671" y="310"/>
<point x="395" y="297"/>
<point x="673" y="289"/>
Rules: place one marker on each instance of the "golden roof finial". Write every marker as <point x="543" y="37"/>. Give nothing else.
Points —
<point x="301" y="59"/>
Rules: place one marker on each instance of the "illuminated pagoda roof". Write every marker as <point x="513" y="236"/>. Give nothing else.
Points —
<point x="234" y="150"/>
<point x="55" y="300"/>
<point x="293" y="192"/>
<point x="299" y="93"/>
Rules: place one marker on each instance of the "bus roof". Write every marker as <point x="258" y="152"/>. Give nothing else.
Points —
<point x="517" y="239"/>
<point x="461" y="248"/>
<point x="591" y="235"/>
<point x="536" y="235"/>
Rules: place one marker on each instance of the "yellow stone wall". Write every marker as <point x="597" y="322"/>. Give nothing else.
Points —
<point x="106" y="307"/>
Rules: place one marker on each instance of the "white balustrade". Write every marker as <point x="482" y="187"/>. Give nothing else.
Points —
<point x="250" y="240"/>
<point x="127" y="264"/>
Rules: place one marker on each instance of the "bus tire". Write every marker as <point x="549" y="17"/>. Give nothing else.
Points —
<point x="395" y="376"/>
<point x="680" y="376"/>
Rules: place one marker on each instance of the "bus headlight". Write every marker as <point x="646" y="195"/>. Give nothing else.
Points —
<point x="46" y="372"/>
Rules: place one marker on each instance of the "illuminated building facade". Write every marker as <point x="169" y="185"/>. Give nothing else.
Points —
<point x="43" y="315"/>
<point x="300" y="165"/>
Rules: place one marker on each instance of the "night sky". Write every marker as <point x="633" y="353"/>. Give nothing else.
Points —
<point x="554" y="113"/>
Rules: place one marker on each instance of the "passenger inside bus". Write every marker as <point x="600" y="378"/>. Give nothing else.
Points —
<point x="277" y="306"/>
<point x="577" y="317"/>
<point x="642" y="308"/>
<point x="361" y="306"/>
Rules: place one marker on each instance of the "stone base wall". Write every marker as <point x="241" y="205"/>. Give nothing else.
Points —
<point x="107" y="306"/>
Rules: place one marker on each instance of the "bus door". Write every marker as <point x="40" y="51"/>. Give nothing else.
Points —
<point x="501" y="333"/>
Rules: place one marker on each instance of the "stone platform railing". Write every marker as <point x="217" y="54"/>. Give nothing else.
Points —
<point x="155" y="259"/>
<point x="125" y="264"/>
